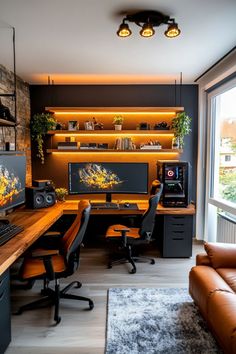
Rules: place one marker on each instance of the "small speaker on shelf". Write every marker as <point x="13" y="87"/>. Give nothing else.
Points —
<point x="37" y="197"/>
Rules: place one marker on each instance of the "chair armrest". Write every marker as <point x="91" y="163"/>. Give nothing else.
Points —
<point x="123" y="235"/>
<point x="41" y="253"/>
<point x="52" y="234"/>
<point x="122" y="230"/>
<point x="46" y="256"/>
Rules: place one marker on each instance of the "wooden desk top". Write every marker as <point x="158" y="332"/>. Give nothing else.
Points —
<point x="36" y="222"/>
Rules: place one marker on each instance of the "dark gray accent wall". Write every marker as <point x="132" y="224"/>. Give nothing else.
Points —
<point x="121" y="96"/>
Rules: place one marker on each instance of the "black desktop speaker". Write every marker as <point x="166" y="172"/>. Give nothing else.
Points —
<point x="37" y="197"/>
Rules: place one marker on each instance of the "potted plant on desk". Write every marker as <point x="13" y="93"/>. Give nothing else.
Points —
<point x="61" y="194"/>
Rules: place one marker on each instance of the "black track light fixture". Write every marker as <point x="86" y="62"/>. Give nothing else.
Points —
<point x="124" y="30"/>
<point x="147" y="20"/>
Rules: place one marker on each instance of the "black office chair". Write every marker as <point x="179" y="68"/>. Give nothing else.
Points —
<point x="59" y="263"/>
<point x="128" y="238"/>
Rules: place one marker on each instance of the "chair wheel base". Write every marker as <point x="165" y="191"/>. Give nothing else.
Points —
<point x="152" y="261"/>
<point x="57" y="320"/>
<point x="133" y="271"/>
<point x="91" y="305"/>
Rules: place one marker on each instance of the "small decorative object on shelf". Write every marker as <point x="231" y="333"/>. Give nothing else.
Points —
<point x="73" y="125"/>
<point x="103" y="146"/>
<point x="88" y="125"/>
<point x="118" y="121"/>
<point x="144" y="126"/>
<point x="181" y="127"/>
<point x="161" y="126"/>
<point x="61" y="194"/>
<point x="175" y="143"/>
<point x="5" y="113"/>
<point x="40" y="124"/>
<point x="97" y="125"/>
<point x="151" y="145"/>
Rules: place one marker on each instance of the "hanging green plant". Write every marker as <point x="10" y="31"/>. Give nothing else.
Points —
<point x="39" y="125"/>
<point x="181" y="127"/>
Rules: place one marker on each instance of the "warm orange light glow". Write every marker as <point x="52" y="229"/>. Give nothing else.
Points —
<point x="116" y="152"/>
<point x="110" y="113"/>
<point x="112" y="135"/>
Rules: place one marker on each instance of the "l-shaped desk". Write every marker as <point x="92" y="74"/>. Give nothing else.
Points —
<point x="37" y="221"/>
<point x="176" y="228"/>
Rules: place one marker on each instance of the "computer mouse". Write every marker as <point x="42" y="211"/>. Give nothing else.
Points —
<point x="126" y="205"/>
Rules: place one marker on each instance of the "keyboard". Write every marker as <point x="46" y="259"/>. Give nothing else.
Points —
<point x="7" y="231"/>
<point x="104" y="206"/>
<point x="123" y="206"/>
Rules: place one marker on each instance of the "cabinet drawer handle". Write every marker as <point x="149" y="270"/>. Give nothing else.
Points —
<point x="178" y="217"/>
<point x="177" y="238"/>
<point x="178" y="232"/>
<point x="178" y="224"/>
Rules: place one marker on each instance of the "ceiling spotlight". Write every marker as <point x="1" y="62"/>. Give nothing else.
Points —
<point x="124" y="30"/>
<point x="172" y="31"/>
<point x="147" y="20"/>
<point x="147" y="30"/>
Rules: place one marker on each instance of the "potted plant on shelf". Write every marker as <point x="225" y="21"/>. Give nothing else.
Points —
<point x="40" y="124"/>
<point x="117" y="121"/>
<point x="181" y="127"/>
<point x="61" y="194"/>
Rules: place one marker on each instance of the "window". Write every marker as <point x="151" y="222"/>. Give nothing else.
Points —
<point x="221" y="155"/>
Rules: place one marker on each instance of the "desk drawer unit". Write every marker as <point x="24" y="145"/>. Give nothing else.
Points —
<point x="177" y="236"/>
<point x="5" y="315"/>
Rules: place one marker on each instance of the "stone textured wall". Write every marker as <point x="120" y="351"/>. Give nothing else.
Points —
<point x="23" y="116"/>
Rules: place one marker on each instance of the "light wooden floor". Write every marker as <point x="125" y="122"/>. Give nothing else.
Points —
<point x="82" y="331"/>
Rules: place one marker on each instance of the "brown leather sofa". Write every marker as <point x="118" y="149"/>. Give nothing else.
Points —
<point x="212" y="285"/>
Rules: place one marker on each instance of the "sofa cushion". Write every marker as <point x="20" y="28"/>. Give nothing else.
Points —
<point x="203" y="259"/>
<point x="203" y="281"/>
<point x="222" y="255"/>
<point x="222" y="319"/>
<point x="229" y="276"/>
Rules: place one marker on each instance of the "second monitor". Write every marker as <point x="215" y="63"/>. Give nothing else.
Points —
<point x="108" y="178"/>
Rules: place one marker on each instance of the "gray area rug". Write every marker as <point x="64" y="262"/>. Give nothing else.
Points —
<point x="153" y="321"/>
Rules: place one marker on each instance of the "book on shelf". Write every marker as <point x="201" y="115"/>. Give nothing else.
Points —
<point x="150" y="147"/>
<point x="90" y="146"/>
<point x="124" y="144"/>
<point x="67" y="145"/>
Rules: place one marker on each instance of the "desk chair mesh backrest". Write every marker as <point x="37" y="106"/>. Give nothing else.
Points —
<point x="130" y="236"/>
<point x="60" y="263"/>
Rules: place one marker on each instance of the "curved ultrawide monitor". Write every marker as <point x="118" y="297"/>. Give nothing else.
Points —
<point x="108" y="177"/>
<point x="12" y="180"/>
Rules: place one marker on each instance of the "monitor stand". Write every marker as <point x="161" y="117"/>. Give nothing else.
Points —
<point x="108" y="197"/>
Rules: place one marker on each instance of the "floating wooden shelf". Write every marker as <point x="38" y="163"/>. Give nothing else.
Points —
<point x="156" y="151"/>
<point x="111" y="132"/>
<point x="116" y="110"/>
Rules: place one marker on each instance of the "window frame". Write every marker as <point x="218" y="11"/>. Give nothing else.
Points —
<point x="211" y="163"/>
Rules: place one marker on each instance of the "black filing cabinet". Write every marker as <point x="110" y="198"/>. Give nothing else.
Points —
<point x="5" y="315"/>
<point x="175" y="235"/>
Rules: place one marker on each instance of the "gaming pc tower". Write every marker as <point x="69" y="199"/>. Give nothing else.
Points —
<point x="175" y="176"/>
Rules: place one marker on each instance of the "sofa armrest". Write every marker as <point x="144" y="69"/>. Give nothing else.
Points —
<point x="221" y="255"/>
<point x="203" y="259"/>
